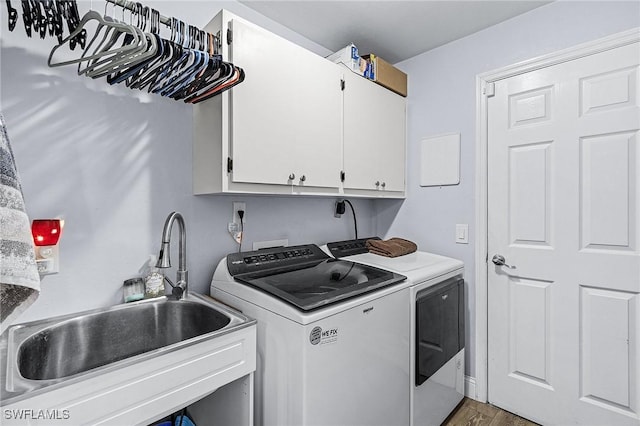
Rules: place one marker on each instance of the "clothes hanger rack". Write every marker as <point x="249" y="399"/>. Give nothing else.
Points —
<point x="186" y="66"/>
<point x="133" y="7"/>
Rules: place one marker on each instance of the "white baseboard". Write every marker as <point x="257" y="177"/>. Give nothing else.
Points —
<point x="470" y="387"/>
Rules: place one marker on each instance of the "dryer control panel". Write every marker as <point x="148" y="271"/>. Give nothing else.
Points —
<point x="349" y="247"/>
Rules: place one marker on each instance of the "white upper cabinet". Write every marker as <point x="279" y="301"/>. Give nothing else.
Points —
<point x="283" y="130"/>
<point x="286" y="115"/>
<point x="374" y="136"/>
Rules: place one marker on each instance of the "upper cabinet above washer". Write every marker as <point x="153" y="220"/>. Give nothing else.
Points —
<point x="285" y="116"/>
<point x="374" y="137"/>
<point x="289" y="128"/>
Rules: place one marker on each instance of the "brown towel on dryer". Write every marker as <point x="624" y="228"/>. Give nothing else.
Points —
<point x="393" y="247"/>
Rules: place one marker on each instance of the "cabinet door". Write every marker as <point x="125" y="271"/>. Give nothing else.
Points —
<point x="286" y="115"/>
<point x="374" y="136"/>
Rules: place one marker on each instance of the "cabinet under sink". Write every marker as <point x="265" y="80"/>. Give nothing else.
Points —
<point x="125" y="382"/>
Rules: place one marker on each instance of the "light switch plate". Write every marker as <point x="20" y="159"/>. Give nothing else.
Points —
<point x="462" y="233"/>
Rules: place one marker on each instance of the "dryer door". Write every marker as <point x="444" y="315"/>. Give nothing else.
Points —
<point x="439" y="326"/>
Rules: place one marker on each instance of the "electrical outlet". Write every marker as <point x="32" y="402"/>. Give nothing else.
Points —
<point x="47" y="260"/>
<point x="239" y="205"/>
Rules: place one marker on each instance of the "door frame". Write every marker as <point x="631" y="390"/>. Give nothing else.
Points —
<point x="484" y="89"/>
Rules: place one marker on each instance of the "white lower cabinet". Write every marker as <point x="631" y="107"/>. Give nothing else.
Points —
<point x="284" y="130"/>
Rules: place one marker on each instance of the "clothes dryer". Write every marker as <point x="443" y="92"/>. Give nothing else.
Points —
<point x="436" y="306"/>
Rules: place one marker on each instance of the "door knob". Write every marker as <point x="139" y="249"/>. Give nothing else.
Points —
<point x="292" y="176"/>
<point x="377" y="183"/>
<point x="499" y="260"/>
<point x="384" y="184"/>
<point x="303" y="178"/>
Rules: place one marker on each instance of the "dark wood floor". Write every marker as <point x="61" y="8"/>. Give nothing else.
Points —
<point x="474" y="413"/>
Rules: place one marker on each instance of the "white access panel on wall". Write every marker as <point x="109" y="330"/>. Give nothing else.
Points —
<point x="440" y="160"/>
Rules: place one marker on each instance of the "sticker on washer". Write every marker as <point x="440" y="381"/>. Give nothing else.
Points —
<point x="318" y="336"/>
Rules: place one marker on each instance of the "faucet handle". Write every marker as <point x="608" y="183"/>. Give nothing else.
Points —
<point x="177" y="292"/>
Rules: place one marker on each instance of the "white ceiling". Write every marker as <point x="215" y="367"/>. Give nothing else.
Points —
<point x="394" y="30"/>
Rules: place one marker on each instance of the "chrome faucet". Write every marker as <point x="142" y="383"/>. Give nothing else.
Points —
<point x="180" y="287"/>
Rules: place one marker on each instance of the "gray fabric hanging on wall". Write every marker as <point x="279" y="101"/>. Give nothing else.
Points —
<point x="19" y="278"/>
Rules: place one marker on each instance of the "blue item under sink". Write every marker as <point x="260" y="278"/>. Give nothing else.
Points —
<point x="186" y="421"/>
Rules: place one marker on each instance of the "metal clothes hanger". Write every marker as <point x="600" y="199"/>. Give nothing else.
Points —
<point x="69" y="10"/>
<point x="102" y="23"/>
<point x="237" y="77"/>
<point x="153" y="69"/>
<point x="214" y="71"/>
<point x="141" y="46"/>
<point x="26" y="17"/>
<point x="145" y="49"/>
<point x="184" y="74"/>
<point x="179" y="58"/>
<point x="13" y="15"/>
<point x="131" y="73"/>
<point x="156" y="66"/>
<point x="212" y="80"/>
<point x="189" y="76"/>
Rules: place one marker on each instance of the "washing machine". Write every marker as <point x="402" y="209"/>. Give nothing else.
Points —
<point x="333" y="336"/>
<point x="436" y="306"/>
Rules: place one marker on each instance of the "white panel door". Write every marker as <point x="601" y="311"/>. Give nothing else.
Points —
<point x="374" y="136"/>
<point x="286" y="116"/>
<point x="564" y="212"/>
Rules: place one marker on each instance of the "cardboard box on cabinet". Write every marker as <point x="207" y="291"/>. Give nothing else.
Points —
<point x="348" y="56"/>
<point x="387" y="75"/>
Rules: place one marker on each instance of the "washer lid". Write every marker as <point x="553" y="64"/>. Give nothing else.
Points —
<point x="306" y="277"/>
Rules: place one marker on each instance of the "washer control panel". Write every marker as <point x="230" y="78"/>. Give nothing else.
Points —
<point x="275" y="257"/>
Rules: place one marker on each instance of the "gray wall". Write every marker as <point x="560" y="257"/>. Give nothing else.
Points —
<point x="113" y="163"/>
<point x="442" y="99"/>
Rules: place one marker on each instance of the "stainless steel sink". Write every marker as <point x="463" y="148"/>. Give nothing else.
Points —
<point x="47" y="352"/>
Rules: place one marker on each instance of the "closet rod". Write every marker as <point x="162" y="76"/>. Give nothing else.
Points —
<point x="129" y="5"/>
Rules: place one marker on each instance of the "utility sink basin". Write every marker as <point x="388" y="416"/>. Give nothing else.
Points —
<point x="50" y="351"/>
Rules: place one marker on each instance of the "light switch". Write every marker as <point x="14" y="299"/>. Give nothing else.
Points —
<point x="462" y="233"/>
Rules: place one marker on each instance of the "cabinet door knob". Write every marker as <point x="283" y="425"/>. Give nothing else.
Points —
<point x="292" y="176"/>
<point x="377" y="183"/>
<point x="384" y="184"/>
<point x="303" y="178"/>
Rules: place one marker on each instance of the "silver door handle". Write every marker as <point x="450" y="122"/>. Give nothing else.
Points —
<point x="499" y="260"/>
